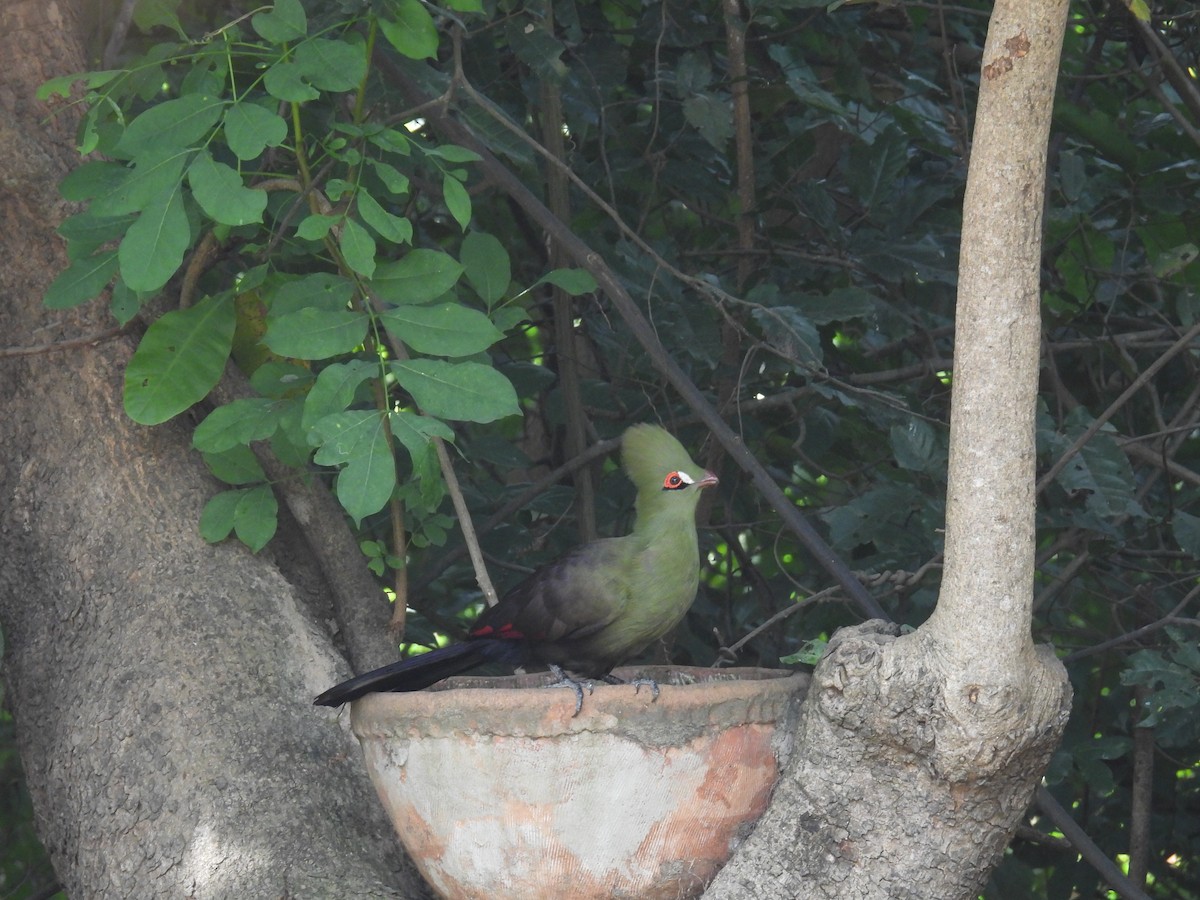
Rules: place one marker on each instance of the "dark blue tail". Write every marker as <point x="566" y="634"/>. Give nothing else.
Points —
<point x="422" y="670"/>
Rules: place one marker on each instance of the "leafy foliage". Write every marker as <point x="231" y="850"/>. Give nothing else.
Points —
<point x="371" y="276"/>
<point x="256" y="143"/>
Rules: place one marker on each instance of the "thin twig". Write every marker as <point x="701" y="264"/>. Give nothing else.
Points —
<point x="1087" y="848"/>
<point x="1170" y="618"/>
<point x="465" y="524"/>
<point x="566" y="343"/>
<point x="1138" y="384"/>
<point x="732" y="649"/>
<point x="57" y="346"/>
<point x="120" y="28"/>
<point x="535" y="489"/>
<point x="1141" y="791"/>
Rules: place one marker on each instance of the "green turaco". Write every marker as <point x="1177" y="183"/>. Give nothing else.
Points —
<point x="593" y="608"/>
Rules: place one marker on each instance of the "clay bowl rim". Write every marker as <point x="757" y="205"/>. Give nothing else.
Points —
<point x="525" y="705"/>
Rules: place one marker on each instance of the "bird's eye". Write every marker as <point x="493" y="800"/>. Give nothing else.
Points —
<point x="676" y="481"/>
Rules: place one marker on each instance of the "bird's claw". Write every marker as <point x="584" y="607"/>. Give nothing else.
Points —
<point x="565" y="680"/>
<point x="638" y="683"/>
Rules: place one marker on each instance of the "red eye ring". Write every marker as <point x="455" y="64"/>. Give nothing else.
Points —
<point x="675" y="481"/>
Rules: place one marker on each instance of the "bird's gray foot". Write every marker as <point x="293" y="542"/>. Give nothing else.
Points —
<point x="565" y="680"/>
<point x="638" y="684"/>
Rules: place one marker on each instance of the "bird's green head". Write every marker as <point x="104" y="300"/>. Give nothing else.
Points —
<point x="660" y="469"/>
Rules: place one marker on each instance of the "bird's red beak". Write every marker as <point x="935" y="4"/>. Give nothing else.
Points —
<point x="708" y="480"/>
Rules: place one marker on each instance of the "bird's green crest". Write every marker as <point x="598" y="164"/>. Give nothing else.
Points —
<point x="649" y="454"/>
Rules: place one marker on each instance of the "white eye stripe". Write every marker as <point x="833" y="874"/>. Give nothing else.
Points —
<point x="677" y="481"/>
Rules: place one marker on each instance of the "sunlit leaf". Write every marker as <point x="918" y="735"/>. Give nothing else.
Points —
<point x="465" y="391"/>
<point x="179" y="360"/>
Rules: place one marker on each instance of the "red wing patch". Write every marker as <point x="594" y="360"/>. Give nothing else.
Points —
<point x="505" y="631"/>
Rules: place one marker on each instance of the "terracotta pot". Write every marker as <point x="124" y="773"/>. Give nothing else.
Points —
<point x="497" y="791"/>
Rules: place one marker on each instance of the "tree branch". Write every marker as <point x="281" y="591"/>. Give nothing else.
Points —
<point x="643" y="332"/>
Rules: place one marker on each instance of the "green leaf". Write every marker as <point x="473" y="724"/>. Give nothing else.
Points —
<point x="839" y="305"/>
<point x="289" y="443"/>
<point x="335" y="389"/>
<point x="331" y="65"/>
<point x="323" y="290"/>
<point x="153" y="247"/>
<point x="465" y="391"/>
<point x="573" y="281"/>
<point x="125" y="303"/>
<point x="335" y="188"/>
<point x="285" y="80"/>
<point x="216" y="521"/>
<point x="874" y="169"/>
<point x="208" y="73"/>
<point x="392" y="228"/>
<point x="174" y="123"/>
<point x="237" y="465"/>
<point x="890" y="515"/>
<point x="392" y="140"/>
<point x="1186" y="529"/>
<point x="220" y="192"/>
<point x="1100" y="471"/>
<point x="256" y="517"/>
<point x="252" y="513"/>
<point x="393" y="179"/>
<point x="458" y="201"/>
<point x="312" y="333"/>
<point x="415" y="433"/>
<point x="282" y="380"/>
<point x="790" y="333"/>
<point x="487" y="266"/>
<point x="419" y="276"/>
<point x="712" y="116"/>
<point x="448" y="329"/>
<point x="94" y="127"/>
<point x="409" y="28"/>
<point x="801" y="79"/>
<point x="916" y="448"/>
<point x="148" y="14"/>
<point x="284" y="22"/>
<point x="315" y="227"/>
<point x="1175" y="260"/>
<point x="356" y="439"/>
<point x="452" y="153"/>
<point x="94" y="178"/>
<point x="86" y="233"/>
<point x="179" y="360"/>
<point x="692" y="75"/>
<point x="63" y="84"/>
<point x="153" y="174"/>
<point x="81" y="281"/>
<point x="237" y="422"/>
<point x="358" y="248"/>
<point x="250" y="129"/>
<point x="809" y="654"/>
<point x="538" y="49"/>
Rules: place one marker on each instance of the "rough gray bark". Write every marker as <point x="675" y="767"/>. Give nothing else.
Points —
<point x="162" y="688"/>
<point x="917" y="754"/>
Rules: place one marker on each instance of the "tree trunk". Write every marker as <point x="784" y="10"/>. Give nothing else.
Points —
<point x="918" y="754"/>
<point x="162" y="688"/>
